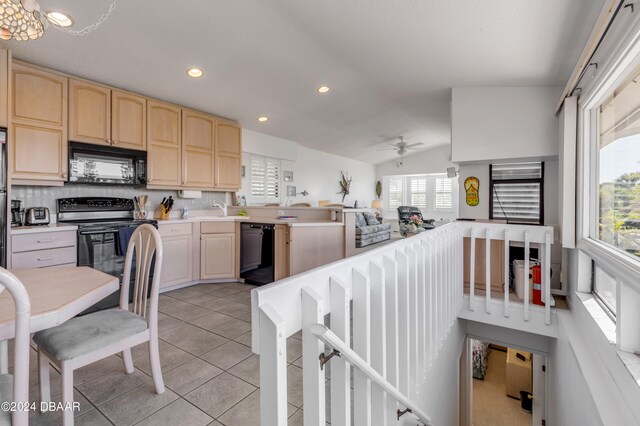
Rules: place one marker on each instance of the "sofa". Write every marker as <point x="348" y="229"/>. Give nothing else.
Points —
<point x="369" y="230"/>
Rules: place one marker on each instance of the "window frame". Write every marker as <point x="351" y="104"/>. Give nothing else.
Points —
<point x="539" y="181"/>
<point x="264" y="198"/>
<point x="435" y="194"/>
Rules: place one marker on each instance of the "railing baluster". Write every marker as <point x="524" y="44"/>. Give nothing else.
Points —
<point x="472" y="270"/>
<point x="546" y="289"/>
<point x="526" y="276"/>
<point x="340" y="371"/>
<point x="403" y="321"/>
<point x="378" y="340"/>
<point x="422" y="330"/>
<point x="505" y="285"/>
<point x="413" y="322"/>
<point x="488" y="270"/>
<point x="362" y="346"/>
<point x="313" y="379"/>
<point x="428" y="295"/>
<point x="273" y="368"/>
<point x="391" y="298"/>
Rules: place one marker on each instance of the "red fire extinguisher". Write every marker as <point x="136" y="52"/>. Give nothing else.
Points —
<point x="537" y="285"/>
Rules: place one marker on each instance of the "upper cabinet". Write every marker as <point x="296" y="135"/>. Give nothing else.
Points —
<point x="164" y="145"/>
<point x="38" y="133"/>
<point x="100" y="115"/>
<point x="128" y="120"/>
<point x="198" y="140"/>
<point x="228" y="155"/>
<point x="5" y="57"/>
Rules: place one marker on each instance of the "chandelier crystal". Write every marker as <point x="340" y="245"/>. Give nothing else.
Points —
<point x="21" y="20"/>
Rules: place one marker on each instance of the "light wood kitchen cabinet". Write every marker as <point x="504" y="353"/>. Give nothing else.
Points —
<point x="217" y="250"/>
<point x="5" y="60"/>
<point x="198" y="140"/>
<point x="89" y="113"/>
<point x="100" y="115"/>
<point x="38" y="134"/>
<point x="228" y="155"/>
<point x="177" y="248"/>
<point x="163" y="145"/>
<point x="128" y="120"/>
<point x="281" y="252"/>
<point x="497" y="263"/>
<point x="43" y="249"/>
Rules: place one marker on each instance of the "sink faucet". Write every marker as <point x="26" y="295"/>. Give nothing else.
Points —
<point x="220" y="205"/>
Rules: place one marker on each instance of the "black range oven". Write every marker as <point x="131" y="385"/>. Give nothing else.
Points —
<point x="104" y="225"/>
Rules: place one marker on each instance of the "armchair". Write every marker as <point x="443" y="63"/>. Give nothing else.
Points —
<point x="404" y="218"/>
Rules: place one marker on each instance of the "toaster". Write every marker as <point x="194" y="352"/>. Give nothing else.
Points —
<point x="37" y="216"/>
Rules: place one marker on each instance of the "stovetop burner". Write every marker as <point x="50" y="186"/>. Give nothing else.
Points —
<point x="90" y="212"/>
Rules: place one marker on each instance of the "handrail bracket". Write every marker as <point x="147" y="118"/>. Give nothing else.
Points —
<point x="326" y="358"/>
<point x="401" y="413"/>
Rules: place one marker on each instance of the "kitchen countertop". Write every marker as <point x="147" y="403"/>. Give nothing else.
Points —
<point x="53" y="227"/>
<point x="290" y="222"/>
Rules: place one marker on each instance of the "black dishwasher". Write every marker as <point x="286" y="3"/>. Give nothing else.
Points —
<point x="257" y="252"/>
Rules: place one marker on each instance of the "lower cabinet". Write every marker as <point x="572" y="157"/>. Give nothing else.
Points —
<point x="43" y="249"/>
<point x="282" y="252"/>
<point x="177" y="254"/>
<point x="217" y="256"/>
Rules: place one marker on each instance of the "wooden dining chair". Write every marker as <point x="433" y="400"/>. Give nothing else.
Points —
<point x="89" y="338"/>
<point x="16" y="387"/>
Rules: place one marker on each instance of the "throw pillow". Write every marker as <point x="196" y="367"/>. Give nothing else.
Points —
<point x="360" y="220"/>
<point x="371" y="218"/>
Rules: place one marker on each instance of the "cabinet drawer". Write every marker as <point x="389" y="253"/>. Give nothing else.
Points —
<point x="217" y="227"/>
<point x="169" y="230"/>
<point x="42" y="240"/>
<point x="42" y="258"/>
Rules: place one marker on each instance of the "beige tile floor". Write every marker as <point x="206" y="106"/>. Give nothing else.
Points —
<point x="210" y="373"/>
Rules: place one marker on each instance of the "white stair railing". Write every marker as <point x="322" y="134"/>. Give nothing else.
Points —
<point x="401" y="300"/>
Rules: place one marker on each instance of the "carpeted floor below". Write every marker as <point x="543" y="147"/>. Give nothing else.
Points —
<point x="491" y="405"/>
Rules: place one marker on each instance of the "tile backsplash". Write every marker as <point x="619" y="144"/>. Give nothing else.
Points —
<point x="46" y="196"/>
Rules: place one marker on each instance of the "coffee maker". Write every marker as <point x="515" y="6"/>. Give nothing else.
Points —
<point x="16" y="213"/>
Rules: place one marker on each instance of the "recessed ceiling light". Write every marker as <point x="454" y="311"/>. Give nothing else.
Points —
<point x="60" y="19"/>
<point x="323" y="89"/>
<point x="263" y="118"/>
<point x="195" y="72"/>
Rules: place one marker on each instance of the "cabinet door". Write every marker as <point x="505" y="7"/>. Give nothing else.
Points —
<point x="128" y="120"/>
<point x="89" y="113"/>
<point x="39" y="97"/>
<point x="198" y="136"/>
<point x="282" y="252"/>
<point x="5" y="56"/>
<point x="177" y="261"/>
<point x="228" y="155"/>
<point x="217" y="253"/>
<point x="163" y="144"/>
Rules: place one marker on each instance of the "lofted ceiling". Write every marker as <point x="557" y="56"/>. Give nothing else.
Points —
<point x="390" y="63"/>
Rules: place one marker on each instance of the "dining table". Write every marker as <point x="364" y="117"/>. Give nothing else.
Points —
<point x="57" y="294"/>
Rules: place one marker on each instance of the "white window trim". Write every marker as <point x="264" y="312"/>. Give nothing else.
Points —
<point x="430" y="210"/>
<point x="435" y="195"/>
<point x="251" y="199"/>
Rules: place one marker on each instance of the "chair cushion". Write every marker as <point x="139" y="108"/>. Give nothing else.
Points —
<point x="85" y="334"/>
<point x="371" y="218"/>
<point x="6" y="394"/>
<point x="360" y="220"/>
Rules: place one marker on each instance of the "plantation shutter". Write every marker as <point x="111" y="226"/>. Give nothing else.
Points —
<point x="517" y="191"/>
<point x="444" y="198"/>
<point x="265" y="179"/>
<point x="418" y="192"/>
<point x="395" y="192"/>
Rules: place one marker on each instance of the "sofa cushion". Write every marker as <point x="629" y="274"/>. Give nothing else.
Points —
<point x="85" y="334"/>
<point x="371" y="218"/>
<point x="373" y="234"/>
<point x="372" y="229"/>
<point x="368" y="240"/>
<point x="360" y="220"/>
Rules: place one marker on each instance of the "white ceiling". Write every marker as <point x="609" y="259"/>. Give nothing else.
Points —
<point x="390" y="63"/>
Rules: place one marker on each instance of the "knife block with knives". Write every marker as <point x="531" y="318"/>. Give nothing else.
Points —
<point x="164" y="208"/>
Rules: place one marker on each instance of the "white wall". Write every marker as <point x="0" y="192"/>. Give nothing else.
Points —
<point x="315" y="171"/>
<point x="499" y="123"/>
<point x="434" y="160"/>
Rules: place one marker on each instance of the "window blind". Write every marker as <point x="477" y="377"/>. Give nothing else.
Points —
<point x="395" y="192"/>
<point x="265" y="179"/>
<point x="517" y="192"/>
<point x="444" y="198"/>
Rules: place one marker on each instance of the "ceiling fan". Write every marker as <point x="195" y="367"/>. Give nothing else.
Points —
<point x="401" y="147"/>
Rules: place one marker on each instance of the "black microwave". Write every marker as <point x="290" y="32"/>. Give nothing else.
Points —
<point x="100" y="165"/>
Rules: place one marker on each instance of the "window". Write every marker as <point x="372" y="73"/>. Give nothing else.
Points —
<point x="265" y="179"/>
<point x="618" y="169"/>
<point x="444" y="198"/>
<point x="434" y="194"/>
<point x="604" y="286"/>
<point x="517" y="192"/>
<point x="418" y="192"/>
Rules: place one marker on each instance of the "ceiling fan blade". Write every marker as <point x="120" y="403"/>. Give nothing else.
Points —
<point x="414" y="144"/>
<point x="387" y="149"/>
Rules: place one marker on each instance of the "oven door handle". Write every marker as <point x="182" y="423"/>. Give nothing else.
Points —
<point x="106" y="231"/>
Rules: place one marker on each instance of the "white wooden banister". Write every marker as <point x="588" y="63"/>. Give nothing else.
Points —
<point x="273" y="368"/>
<point x="340" y="374"/>
<point x="330" y="339"/>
